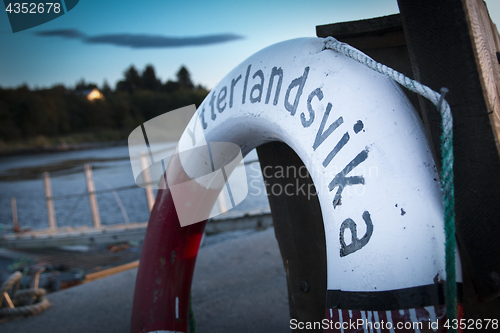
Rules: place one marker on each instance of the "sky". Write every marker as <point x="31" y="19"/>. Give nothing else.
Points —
<point x="98" y="40"/>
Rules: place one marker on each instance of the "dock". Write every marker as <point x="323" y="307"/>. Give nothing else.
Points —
<point x="68" y="236"/>
<point x="231" y="277"/>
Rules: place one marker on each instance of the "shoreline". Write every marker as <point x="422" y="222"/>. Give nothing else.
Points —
<point x="11" y="151"/>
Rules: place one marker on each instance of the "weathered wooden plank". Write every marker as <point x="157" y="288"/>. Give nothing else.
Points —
<point x="389" y="39"/>
<point x="94" y="208"/>
<point x="88" y="236"/>
<point x="381" y="38"/>
<point x="64" y="236"/>
<point x="147" y="180"/>
<point x="231" y="221"/>
<point x="13" y="205"/>
<point x="439" y="40"/>
<point x="483" y="33"/>
<point x="110" y="271"/>
<point x="51" y="213"/>
<point x="362" y="28"/>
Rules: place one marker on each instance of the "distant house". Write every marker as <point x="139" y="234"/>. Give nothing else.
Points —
<point x="91" y="94"/>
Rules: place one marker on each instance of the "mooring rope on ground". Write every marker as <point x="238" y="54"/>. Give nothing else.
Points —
<point x="20" y="304"/>
<point x="446" y="155"/>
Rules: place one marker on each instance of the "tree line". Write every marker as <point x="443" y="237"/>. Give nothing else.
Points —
<point x="60" y="111"/>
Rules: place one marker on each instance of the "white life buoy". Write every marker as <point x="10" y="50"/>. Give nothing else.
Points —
<point x="365" y="149"/>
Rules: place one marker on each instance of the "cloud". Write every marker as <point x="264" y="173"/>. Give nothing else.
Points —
<point x="141" y="40"/>
<point x="66" y="33"/>
<point x="144" y="41"/>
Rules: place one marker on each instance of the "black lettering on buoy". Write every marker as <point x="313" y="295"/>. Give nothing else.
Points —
<point x="245" y="85"/>
<point x="318" y="93"/>
<point x="212" y="110"/>
<point x="298" y="82"/>
<point x="233" y="83"/>
<point x="275" y="72"/>
<point x="258" y="87"/>
<point x="342" y="181"/>
<point x="321" y="136"/>
<point x="221" y="99"/>
<point x="336" y="149"/>
<point x="202" y="117"/>
<point x="356" y="243"/>
<point x="358" y="126"/>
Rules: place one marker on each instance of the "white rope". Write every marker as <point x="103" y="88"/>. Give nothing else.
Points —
<point x="436" y="98"/>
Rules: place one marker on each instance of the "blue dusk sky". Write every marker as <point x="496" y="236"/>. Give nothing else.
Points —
<point x="98" y="39"/>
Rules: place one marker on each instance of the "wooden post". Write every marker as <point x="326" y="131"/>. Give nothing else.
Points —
<point x="221" y="201"/>
<point x="96" y="218"/>
<point x="147" y="180"/>
<point x="51" y="213"/>
<point x="14" y="213"/>
<point x="381" y="38"/>
<point x="298" y="225"/>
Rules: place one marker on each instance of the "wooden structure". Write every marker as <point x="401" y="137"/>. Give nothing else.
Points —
<point x="147" y="179"/>
<point x="124" y="232"/>
<point x="94" y="208"/>
<point x="299" y="229"/>
<point x="14" y="213"/>
<point x="51" y="213"/>
<point x="452" y="44"/>
<point x="107" y="234"/>
<point x="74" y="236"/>
<point x="463" y="58"/>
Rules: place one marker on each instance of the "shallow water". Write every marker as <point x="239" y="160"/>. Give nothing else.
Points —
<point x="21" y="177"/>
